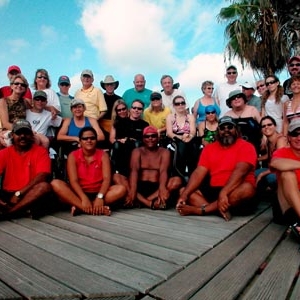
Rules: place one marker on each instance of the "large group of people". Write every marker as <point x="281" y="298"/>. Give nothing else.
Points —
<point x="148" y="148"/>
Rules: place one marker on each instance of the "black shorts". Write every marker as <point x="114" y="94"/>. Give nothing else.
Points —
<point x="147" y="188"/>
<point x="211" y="194"/>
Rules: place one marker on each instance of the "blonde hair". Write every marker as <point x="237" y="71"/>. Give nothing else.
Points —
<point x="114" y="109"/>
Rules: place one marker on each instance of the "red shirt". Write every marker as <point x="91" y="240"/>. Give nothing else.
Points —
<point x="6" y="91"/>
<point x="20" y="169"/>
<point x="90" y="176"/>
<point x="287" y="152"/>
<point x="221" y="161"/>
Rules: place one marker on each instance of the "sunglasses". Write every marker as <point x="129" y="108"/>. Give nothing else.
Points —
<point x="294" y="65"/>
<point x="294" y="133"/>
<point x="260" y="86"/>
<point x="237" y="97"/>
<point x="148" y="136"/>
<point x="23" y="131"/>
<point x="228" y="127"/>
<point x="180" y="103"/>
<point x="267" y="125"/>
<point x="64" y="84"/>
<point x="136" y="107"/>
<point x="271" y="82"/>
<point x="42" y="77"/>
<point x="121" y="109"/>
<point x="40" y="99"/>
<point x="209" y="88"/>
<point x="210" y="112"/>
<point x="231" y="73"/>
<point x="153" y="99"/>
<point x="21" y="84"/>
<point x="91" y="138"/>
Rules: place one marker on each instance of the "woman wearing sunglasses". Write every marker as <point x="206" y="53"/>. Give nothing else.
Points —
<point x="272" y="101"/>
<point x="13" y="107"/>
<point x="265" y="178"/>
<point x="89" y="174"/>
<point x="208" y="128"/>
<point x="181" y="128"/>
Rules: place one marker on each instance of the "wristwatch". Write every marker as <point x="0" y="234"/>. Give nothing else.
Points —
<point x="100" y="196"/>
<point x="18" y="194"/>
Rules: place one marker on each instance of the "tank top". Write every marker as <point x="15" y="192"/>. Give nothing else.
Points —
<point x="181" y="130"/>
<point x="209" y="135"/>
<point x="73" y="130"/>
<point x="290" y="114"/>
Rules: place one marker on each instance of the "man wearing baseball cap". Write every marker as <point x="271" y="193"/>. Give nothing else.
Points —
<point x="293" y="66"/>
<point x="64" y="85"/>
<point x="27" y="170"/>
<point x="6" y="91"/>
<point x="93" y="98"/>
<point x="230" y="162"/>
<point x="286" y="161"/>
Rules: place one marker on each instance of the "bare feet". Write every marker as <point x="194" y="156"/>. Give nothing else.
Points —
<point x="186" y="210"/>
<point x="106" y="211"/>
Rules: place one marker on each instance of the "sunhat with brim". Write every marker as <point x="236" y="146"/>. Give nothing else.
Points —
<point x="108" y="80"/>
<point x="232" y="95"/>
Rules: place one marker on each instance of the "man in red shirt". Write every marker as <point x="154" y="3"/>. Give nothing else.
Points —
<point x="230" y="164"/>
<point x="25" y="168"/>
<point x="6" y="91"/>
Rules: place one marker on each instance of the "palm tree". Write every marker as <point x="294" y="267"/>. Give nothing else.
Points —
<point x="253" y="33"/>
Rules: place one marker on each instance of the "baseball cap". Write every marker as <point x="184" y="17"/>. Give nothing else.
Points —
<point x="13" y="68"/>
<point x="21" y="124"/>
<point x="248" y="85"/>
<point x="295" y="124"/>
<point x="210" y="108"/>
<point x="155" y="95"/>
<point x="39" y="94"/>
<point x="150" y="129"/>
<point x="294" y="58"/>
<point x="226" y="120"/>
<point x="75" y="102"/>
<point x="63" y="79"/>
<point x="87" y="72"/>
<point x="231" y="67"/>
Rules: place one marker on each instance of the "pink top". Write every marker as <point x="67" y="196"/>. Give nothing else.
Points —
<point x="181" y="130"/>
<point x="290" y="114"/>
<point x="90" y="176"/>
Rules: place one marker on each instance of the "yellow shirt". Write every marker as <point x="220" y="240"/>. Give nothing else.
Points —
<point x="156" y="119"/>
<point x="94" y="101"/>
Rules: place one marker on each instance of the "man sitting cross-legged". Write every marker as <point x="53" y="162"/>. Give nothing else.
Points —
<point x="230" y="163"/>
<point x="149" y="179"/>
<point x="26" y="171"/>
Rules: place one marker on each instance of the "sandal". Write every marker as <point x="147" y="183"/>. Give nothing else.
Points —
<point x="294" y="229"/>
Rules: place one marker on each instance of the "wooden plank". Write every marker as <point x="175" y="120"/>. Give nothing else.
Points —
<point x="187" y="282"/>
<point x="232" y="280"/>
<point x="86" y="282"/>
<point x="136" y="260"/>
<point x="134" y="233"/>
<point x="7" y="293"/>
<point x="31" y="283"/>
<point x="276" y="279"/>
<point x="115" y="271"/>
<point x="163" y="253"/>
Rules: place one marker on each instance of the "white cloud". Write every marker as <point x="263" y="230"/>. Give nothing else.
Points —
<point x="129" y="34"/>
<point x="17" y="45"/>
<point x="76" y="55"/>
<point x="49" y="35"/>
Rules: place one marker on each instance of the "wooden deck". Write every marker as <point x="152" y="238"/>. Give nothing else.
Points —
<point x="145" y="254"/>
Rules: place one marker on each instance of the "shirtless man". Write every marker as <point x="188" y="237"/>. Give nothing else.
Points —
<point x="149" y="180"/>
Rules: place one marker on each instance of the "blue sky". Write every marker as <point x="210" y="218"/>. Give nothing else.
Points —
<point x="117" y="37"/>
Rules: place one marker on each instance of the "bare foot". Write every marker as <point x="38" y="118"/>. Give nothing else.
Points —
<point x="106" y="211"/>
<point x="226" y="215"/>
<point x="185" y="210"/>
